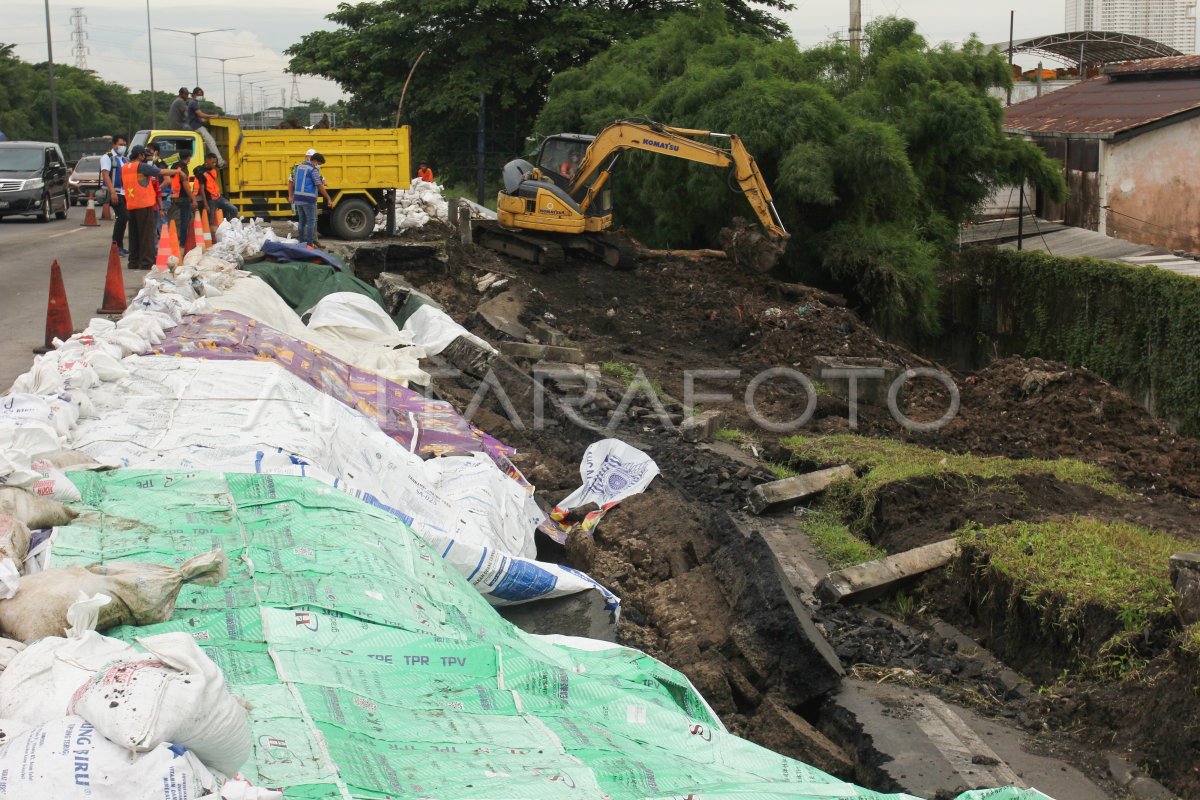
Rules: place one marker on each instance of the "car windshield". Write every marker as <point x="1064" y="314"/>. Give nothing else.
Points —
<point x="22" y="159"/>
<point x="89" y="164"/>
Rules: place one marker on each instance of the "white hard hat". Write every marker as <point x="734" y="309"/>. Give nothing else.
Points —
<point x="310" y="152"/>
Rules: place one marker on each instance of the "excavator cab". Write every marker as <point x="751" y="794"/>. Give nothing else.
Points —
<point x="561" y="155"/>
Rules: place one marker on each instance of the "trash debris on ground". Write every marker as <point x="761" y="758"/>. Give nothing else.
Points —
<point x="612" y="471"/>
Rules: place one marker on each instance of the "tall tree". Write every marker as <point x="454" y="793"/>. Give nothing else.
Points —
<point x="505" y="50"/>
<point x="874" y="159"/>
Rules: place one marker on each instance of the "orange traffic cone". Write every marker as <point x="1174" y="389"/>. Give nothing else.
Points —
<point x="208" y="238"/>
<point x="175" y="241"/>
<point x="220" y="217"/>
<point x="58" y="314"/>
<point x="197" y="238"/>
<point x="89" y="216"/>
<point x="114" y="285"/>
<point x="106" y="212"/>
<point x="161" y="261"/>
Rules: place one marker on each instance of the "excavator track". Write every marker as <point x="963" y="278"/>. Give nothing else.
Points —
<point x="614" y="251"/>
<point x="545" y="253"/>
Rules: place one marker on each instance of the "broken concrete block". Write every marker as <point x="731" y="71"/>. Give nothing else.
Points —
<point x="873" y="377"/>
<point x="792" y="491"/>
<point x="549" y="335"/>
<point x="873" y="578"/>
<point x="568" y="376"/>
<point x="400" y="298"/>
<point x="467" y="356"/>
<point x="701" y="427"/>
<point x="778" y="728"/>
<point x="1185" y="577"/>
<point x="502" y="314"/>
<point x="542" y="352"/>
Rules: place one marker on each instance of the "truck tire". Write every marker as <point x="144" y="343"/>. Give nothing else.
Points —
<point x="353" y="219"/>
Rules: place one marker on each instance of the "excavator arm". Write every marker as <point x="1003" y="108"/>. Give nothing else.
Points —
<point x="597" y="164"/>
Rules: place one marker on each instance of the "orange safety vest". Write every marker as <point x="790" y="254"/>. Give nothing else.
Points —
<point x="425" y="175"/>
<point x="139" y="193"/>
<point x="175" y="187"/>
<point x="211" y="186"/>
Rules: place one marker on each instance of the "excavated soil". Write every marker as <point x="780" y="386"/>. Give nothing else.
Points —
<point x="706" y="600"/>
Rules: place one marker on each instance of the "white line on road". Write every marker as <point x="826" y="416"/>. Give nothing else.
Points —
<point x="66" y="233"/>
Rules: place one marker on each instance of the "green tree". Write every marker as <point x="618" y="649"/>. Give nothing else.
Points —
<point x="874" y="159"/>
<point x="506" y="50"/>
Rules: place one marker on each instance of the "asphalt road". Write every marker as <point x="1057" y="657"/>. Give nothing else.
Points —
<point x="27" y="248"/>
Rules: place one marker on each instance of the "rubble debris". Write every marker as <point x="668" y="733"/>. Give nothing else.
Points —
<point x="864" y="581"/>
<point x="750" y="247"/>
<point x="502" y="314"/>
<point x="789" y="492"/>
<point x="542" y="352"/>
<point x="1185" y="577"/>
<point x="701" y="427"/>
<point x="872" y="377"/>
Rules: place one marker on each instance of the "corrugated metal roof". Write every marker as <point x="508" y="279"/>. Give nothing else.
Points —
<point x="1152" y="65"/>
<point x="1104" y="107"/>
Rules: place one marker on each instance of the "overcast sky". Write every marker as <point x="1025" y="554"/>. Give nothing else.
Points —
<point x="117" y="38"/>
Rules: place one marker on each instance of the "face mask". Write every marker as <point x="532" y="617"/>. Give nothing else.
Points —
<point x="120" y="149"/>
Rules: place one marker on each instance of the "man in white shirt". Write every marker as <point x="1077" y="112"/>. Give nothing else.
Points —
<point x="110" y="172"/>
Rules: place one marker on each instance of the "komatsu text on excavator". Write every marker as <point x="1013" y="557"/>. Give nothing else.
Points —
<point x="565" y="203"/>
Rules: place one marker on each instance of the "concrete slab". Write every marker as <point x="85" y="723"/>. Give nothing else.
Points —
<point x="789" y="492"/>
<point x="502" y="314"/>
<point x="466" y="356"/>
<point x="701" y="427"/>
<point x="542" y="352"/>
<point x="932" y="747"/>
<point x="871" y="377"/>
<point x="873" y="578"/>
<point x="581" y="614"/>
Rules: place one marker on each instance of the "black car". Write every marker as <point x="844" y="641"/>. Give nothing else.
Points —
<point x="33" y="180"/>
<point x="85" y="180"/>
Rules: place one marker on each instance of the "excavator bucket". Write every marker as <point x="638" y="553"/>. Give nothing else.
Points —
<point x="750" y="247"/>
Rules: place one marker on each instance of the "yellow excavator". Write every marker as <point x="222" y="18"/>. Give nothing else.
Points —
<point x="565" y="201"/>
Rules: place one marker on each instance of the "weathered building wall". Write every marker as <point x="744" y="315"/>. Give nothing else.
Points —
<point x="1151" y="185"/>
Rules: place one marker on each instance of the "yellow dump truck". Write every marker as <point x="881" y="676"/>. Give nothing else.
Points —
<point x="362" y="166"/>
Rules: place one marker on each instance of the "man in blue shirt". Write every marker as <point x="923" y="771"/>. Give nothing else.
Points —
<point x="195" y="119"/>
<point x="305" y="184"/>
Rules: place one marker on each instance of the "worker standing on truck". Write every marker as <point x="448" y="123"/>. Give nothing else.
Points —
<point x="209" y="177"/>
<point x="183" y="202"/>
<point x="303" y="188"/>
<point x="110" y="171"/>
<point x="425" y="173"/>
<point x="177" y="114"/>
<point x="137" y="178"/>
<point x="196" y="119"/>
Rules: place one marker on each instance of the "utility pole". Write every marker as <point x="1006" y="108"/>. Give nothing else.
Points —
<point x="856" y="26"/>
<point x="224" y="94"/>
<point x="79" y="36"/>
<point x="1012" y="21"/>
<point x="239" y="76"/>
<point x="195" y="44"/>
<point x="295" y="98"/>
<point x="50" y="64"/>
<point x="150" y="46"/>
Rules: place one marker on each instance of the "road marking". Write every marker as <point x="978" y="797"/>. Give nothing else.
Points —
<point x="65" y="233"/>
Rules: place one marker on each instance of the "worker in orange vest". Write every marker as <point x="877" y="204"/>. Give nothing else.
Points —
<point x="141" y="202"/>
<point x="183" y="199"/>
<point x="425" y="173"/>
<point x="210" y="191"/>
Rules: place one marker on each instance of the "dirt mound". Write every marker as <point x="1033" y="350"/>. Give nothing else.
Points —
<point x="1029" y="408"/>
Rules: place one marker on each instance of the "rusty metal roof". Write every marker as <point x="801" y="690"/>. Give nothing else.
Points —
<point x="1105" y="107"/>
<point x="1150" y="66"/>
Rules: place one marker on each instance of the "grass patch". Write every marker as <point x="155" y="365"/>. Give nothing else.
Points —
<point x="734" y="436"/>
<point x="781" y="471"/>
<point x="628" y="374"/>
<point x="622" y="370"/>
<point x="835" y="542"/>
<point x="1067" y="565"/>
<point x="1189" y="640"/>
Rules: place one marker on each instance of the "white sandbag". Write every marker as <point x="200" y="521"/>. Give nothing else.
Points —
<point x="14" y="539"/>
<point x="240" y="789"/>
<point x="10" y="578"/>
<point x="351" y="310"/>
<point x="76" y="460"/>
<point x="36" y="512"/>
<point x="53" y="482"/>
<point x="434" y="330"/>
<point x="11" y="729"/>
<point x="176" y="694"/>
<point x="67" y="759"/>
<point x="142" y="594"/>
<point x="8" y="650"/>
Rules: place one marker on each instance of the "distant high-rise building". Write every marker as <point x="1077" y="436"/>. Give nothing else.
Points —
<point x="1171" y="22"/>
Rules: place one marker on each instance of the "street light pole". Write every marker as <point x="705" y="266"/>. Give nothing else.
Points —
<point x="224" y="94"/>
<point x="241" y="75"/>
<point x="50" y="62"/>
<point x="150" y="45"/>
<point x="195" y="44"/>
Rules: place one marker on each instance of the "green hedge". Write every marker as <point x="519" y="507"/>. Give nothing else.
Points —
<point x="1138" y="327"/>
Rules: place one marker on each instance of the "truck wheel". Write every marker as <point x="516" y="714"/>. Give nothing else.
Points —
<point x="353" y="219"/>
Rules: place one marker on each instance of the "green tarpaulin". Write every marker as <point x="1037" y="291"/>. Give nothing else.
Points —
<point x="303" y="285"/>
<point x="376" y="671"/>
